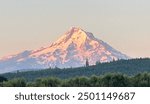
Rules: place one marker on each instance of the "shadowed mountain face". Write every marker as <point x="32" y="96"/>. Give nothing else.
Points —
<point x="70" y="50"/>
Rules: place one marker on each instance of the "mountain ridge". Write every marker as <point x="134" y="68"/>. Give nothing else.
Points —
<point x="70" y="50"/>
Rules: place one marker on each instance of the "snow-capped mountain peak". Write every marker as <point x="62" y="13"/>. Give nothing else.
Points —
<point x="74" y="34"/>
<point x="70" y="50"/>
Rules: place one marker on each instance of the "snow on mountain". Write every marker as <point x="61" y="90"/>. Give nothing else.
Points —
<point x="70" y="50"/>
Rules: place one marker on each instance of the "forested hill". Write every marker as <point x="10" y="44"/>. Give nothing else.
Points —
<point x="129" y="67"/>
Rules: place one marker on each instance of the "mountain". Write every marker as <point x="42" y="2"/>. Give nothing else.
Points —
<point x="70" y="50"/>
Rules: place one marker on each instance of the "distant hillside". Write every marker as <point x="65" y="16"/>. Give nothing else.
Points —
<point x="129" y="67"/>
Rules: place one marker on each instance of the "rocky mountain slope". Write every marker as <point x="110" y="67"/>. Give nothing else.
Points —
<point x="70" y="50"/>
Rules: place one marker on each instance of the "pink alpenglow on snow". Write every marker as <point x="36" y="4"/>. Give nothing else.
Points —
<point x="70" y="50"/>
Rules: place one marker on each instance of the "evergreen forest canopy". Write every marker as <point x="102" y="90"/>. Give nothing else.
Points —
<point x="121" y="73"/>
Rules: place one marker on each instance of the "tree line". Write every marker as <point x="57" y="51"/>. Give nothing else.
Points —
<point x="106" y="80"/>
<point x="129" y="67"/>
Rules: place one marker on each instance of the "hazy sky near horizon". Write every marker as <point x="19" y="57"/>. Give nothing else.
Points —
<point x="30" y="24"/>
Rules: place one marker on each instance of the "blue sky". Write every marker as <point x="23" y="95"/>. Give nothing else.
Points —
<point x="29" y="24"/>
